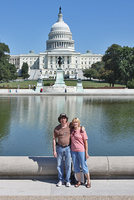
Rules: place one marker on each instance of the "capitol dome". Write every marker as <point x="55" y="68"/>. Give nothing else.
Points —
<point x="62" y="26"/>
<point x="60" y="36"/>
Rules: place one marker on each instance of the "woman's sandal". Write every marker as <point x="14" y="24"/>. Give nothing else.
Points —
<point x="88" y="185"/>
<point x="78" y="184"/>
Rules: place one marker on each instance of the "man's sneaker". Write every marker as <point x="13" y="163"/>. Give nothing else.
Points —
<point x="59" y="184"/>
<point x="68" y="184"/>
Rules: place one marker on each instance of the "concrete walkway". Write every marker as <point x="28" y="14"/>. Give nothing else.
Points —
<point x="87" y="92"/>
<point x="46" y="189"/>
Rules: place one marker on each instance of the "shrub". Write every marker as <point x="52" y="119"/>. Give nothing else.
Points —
<point x="47" y="84"/>
<point x="130" y="84"/>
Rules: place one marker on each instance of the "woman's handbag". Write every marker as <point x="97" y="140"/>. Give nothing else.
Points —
<point x="83" y="178"/>
<point x="74" y="177"/>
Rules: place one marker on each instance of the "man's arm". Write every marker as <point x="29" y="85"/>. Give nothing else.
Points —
<point x="82" y="128"/>
<point x="54" y="147"/>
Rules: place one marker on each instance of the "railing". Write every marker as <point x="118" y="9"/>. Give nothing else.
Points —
<point x="32" y="167"/>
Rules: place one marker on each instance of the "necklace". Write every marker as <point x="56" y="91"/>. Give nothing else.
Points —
<point x="76" y="129"/>
<point x="64" y="126"/>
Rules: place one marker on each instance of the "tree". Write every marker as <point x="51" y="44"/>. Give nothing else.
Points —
<point x="13" y="72"/>
<point x="7" y="71"/>
<point x="24" y="70"/>
<point x="107" y="75"/>
<point x="98" y="65"/>
<point x="4" y="48"/>
<point x="101" y="74"/>
<point x="111" y="59"/>
<point x="89" y="73"/>
<point x="126" y="63"/>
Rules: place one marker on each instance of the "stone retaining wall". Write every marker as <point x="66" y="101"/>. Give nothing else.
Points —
<point x="34" y="167"/>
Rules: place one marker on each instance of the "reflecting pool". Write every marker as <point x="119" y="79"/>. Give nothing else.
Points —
<point x="27" y="124"/>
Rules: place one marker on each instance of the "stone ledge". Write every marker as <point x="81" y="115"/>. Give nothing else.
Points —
<point x="34" y="166"/>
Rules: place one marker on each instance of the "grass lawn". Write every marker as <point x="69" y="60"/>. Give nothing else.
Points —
<point x="86" y="84"/>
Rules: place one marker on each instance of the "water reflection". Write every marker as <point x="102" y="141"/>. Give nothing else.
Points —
<point x="28" y="123"/>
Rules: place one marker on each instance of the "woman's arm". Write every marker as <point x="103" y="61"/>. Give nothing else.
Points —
<point x="86" y="149"/>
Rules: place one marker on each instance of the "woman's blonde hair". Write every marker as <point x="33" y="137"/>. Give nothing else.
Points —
<point x="76" y="120"/>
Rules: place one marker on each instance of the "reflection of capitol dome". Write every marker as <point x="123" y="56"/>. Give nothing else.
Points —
<point x="60" y="37"/>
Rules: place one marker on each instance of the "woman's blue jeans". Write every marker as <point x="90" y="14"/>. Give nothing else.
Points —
<point x="63" y="154"/>
<point x="79" y="159"/>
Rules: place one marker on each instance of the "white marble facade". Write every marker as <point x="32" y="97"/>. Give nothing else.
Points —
<point x="59" y="43"/>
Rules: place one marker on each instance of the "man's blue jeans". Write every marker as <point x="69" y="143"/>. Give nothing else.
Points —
<point x="61" y="154"/>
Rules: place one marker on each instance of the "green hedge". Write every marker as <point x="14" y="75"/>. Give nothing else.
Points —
<point x="130" y="84"/>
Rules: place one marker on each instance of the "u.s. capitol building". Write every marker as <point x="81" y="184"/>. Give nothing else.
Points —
<point x="59" y="43"/>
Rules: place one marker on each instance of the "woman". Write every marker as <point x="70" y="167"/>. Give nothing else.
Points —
<point x="79" y="151"/>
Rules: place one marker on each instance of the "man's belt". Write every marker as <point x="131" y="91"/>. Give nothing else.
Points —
<point x="63" y="146"/>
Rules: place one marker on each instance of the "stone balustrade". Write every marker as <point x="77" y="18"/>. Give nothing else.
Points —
<point x="41" y="167"/>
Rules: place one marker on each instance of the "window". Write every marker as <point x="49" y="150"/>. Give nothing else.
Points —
<point x="51" y="60"/>
<point x="68" y="60"/>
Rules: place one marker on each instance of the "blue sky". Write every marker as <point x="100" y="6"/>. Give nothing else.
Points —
<point x="95" y="24"/>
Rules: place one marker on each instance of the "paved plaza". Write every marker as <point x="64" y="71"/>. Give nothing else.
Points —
<point x="46" y="189"/>
<point x="86" y="92"/>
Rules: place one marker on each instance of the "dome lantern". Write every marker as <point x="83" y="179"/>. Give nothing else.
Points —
<point x="60" y="16"/>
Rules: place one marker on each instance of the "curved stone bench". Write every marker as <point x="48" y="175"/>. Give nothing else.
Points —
<point x="42" y="167"/>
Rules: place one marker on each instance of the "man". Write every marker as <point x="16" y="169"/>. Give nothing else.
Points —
<point x="61" y="149"/>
